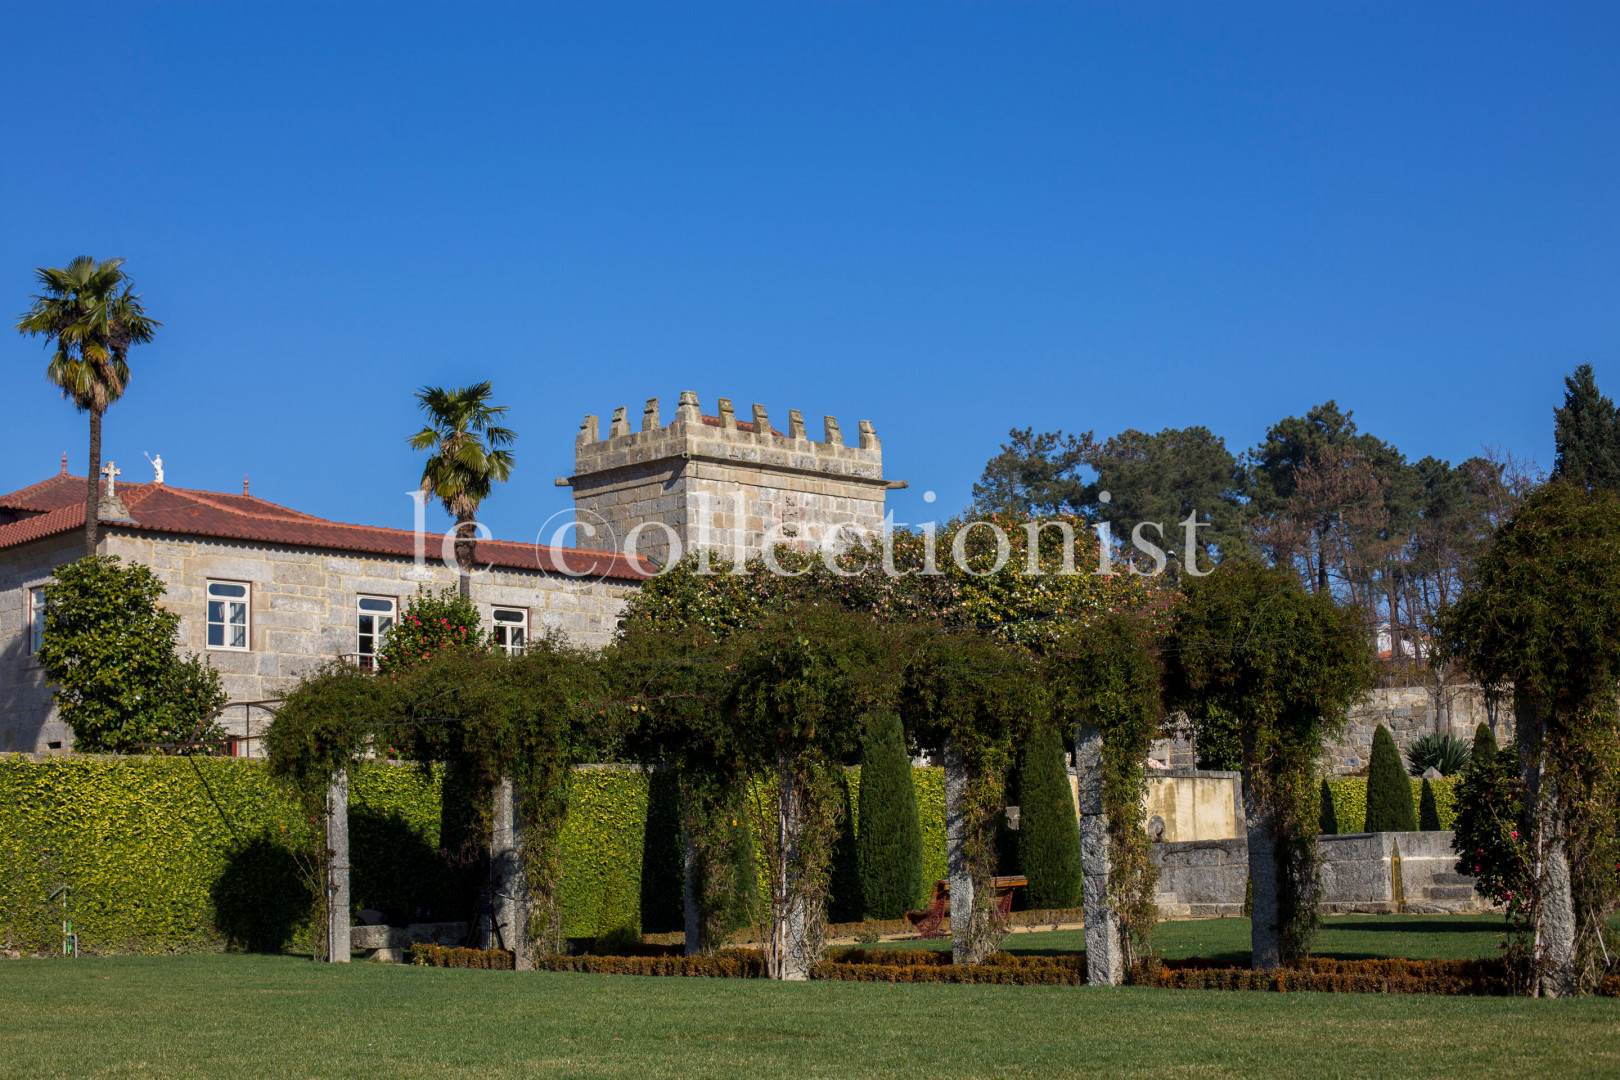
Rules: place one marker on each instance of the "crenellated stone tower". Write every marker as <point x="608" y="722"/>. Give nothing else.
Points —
<point x="720" y="483"/>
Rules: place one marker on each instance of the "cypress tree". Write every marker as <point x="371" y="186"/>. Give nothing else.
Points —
<point x="1330" y="818"/>
<point x="1484" y="746"/>
<point x="888" y="842"/>
<point x="1389" y="793"/>
<point x="1586" y="434"/>
<point x="1048" y="828"/>
<point x="1428" y="813"/>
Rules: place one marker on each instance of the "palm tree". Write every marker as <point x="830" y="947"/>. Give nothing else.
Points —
<point x="90" y="310"/>
<point x="468" y="457"/>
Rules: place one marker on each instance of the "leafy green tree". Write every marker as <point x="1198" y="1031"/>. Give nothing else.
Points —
<point x="1166" y="478"/>
<point x="469" y="455"/>
<point x="1540" y="620"/>
<point x="1048" y="831"/>
<point x="110" y="650"/>
<point x="1428" y="812"/>
<point x="1288" y="664"/>
<point x="1034" y="474"/>
<point x="888" y="844"/>
<point x="91" y="312"/>
<point x="1329" y="825"/>
<point x="1586" y="434"/>
<point x="1389" y="795"/>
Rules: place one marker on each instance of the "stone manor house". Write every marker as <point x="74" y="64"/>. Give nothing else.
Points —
<point x="269" y="593"/>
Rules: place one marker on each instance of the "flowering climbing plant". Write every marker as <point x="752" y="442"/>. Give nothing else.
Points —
<point x="432" y="623"/>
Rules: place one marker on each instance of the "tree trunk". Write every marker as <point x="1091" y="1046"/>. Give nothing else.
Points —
<point x="1105" y="962"/>
<point x="508" y="884"/>
<point x="1555" y="953"/>
<point x="1264" y="945"/>
<point x="964" y="949"/>
<point x="92" y="501"/>
<point x="466" y="553"/>
<point x="337" y="869"/>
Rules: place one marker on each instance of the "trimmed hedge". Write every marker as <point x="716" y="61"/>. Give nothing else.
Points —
<point x="1350" y="801"/>
<point x="444" y="956"/>
<point x="198" y="854"/>
<point x="1477" y="977"/>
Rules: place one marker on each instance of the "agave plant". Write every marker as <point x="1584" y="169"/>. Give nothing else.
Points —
<point x="1445" y="753"/>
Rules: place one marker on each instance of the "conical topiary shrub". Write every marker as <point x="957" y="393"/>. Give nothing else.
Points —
<point x="1484" y="746"/>
<point x="1389" y="793"/>
<point x="1428" y="813"/>
<point x="1048" y="828"/>
<point x="1329" y="819"/>
<point x="888" y="841"/>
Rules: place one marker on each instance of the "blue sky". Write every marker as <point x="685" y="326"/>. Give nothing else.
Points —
<point x="948" y="219"/>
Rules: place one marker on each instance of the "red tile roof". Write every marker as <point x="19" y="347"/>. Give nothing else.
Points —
<point x="57" y="506"/>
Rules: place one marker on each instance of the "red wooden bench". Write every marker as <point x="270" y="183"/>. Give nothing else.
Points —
<point x="931" y="920"/>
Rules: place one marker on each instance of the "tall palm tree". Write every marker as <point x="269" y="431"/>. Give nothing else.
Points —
<point x="468" y="458"/>
<point x="89" y="309"/>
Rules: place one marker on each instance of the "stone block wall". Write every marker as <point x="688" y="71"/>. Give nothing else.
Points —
<point x="1359" y="874"/>
<point x="1410" y="713"/>
<point x="735" y="487"/>
<point x="1201" y="877"/>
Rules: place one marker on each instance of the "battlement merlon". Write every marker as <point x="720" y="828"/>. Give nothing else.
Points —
<point x="724" y="439"/>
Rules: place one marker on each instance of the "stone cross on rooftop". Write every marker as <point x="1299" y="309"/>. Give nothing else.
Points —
<point x="110" y="471"/>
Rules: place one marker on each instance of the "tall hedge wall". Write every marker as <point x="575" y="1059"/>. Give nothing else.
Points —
<point x="1350" y="801"/>
<point x="172" y="854"/>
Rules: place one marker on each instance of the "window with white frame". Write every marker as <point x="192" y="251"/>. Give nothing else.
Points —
<point x="377" y="614"/>
<point x="36" y="618"/>
<point x="512" y="629"/>
<point x="228" y="604"/>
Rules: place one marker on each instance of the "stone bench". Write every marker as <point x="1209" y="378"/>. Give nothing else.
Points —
<point x="387" y="944"/>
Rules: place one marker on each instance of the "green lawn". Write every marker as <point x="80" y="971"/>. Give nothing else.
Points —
<point x="1344" y="937"/>
<point x="255" y="1016"/>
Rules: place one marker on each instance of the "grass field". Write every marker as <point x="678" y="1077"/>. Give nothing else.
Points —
<point x="274" y="1017"/>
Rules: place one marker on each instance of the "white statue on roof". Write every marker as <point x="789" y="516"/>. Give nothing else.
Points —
<point x="157" y="467"/>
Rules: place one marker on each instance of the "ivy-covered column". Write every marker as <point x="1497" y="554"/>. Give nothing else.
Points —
<point x="793" y="941"/>
<point x="1555" y="953"/>
<point x="1105" y="964"/>
<point x="508" y="884"/>
<point x="1265" y="944"/>
<point x="693" y="918"/>
<point x="963" y="950"/>
<point x="337" y="868"/>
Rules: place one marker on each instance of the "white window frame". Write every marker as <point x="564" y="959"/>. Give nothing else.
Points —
<point x="226" y="622"/>
<point x="368" y="660"/>
<point x="501" y="629"/>
<point x="36" y="620"/>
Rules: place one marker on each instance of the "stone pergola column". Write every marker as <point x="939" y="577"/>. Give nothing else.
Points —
<point x="793" y="933"/>
<point x="960" y="878"/>
<point x="508" y="884"/>
<point x="1105" y="964"/>
<point x="337" y="869"/>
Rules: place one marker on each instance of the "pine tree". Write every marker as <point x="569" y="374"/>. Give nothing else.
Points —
<point x="1330" y="818"/>
<point x="1586" y="434"/>
<point x="888" y="842"/>
<point x="1428" y="812"/>
<point x="1048" y="828"/>
<point x="1484" y="746"/>
<point x="1389" y="792"/>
